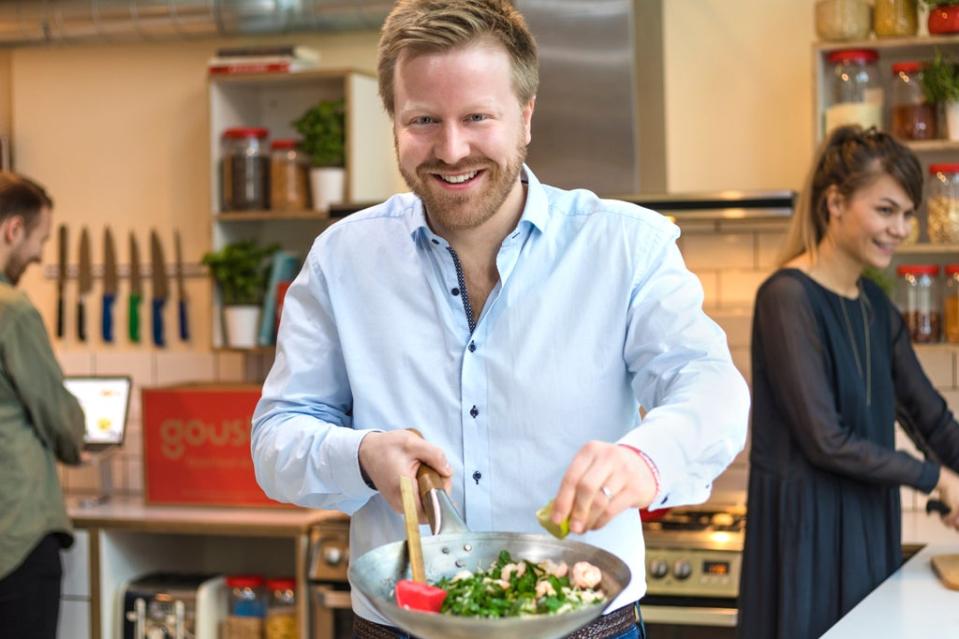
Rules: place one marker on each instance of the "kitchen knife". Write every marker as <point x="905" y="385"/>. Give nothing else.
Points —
<point x="160" y="287"/>
<point x="136" y="291"/>
<point x="109" y="285"/>
<point x="61" y="279"/>
<point x="84" y="283"/>
<point x="180" y="289"/>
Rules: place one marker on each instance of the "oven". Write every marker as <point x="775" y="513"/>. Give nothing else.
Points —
<point x="330" y="612"/>
<point x="693" y="560"/>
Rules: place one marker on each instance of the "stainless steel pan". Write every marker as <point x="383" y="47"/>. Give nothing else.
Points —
<point x="453" y="548"/>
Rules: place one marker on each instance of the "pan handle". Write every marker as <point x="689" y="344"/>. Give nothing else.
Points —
<point x="436" y="502"/>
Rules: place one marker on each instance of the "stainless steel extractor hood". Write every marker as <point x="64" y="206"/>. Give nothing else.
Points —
<point x="720" y="206"/>
<point x="33" y="22"/>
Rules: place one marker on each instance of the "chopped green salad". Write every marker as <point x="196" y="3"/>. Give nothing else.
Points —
<point x="521" y="588"/>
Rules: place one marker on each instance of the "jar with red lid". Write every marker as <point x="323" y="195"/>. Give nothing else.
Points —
<point x="854" y="89"/>
<point x="942" y="203"/>
<point x="950" y="303"/>
<point x="918" y="301"/>
<point x="912" y="117"/>
<point x="289" y="181"/>
<point x="246" y="608"/>
<point x="281" y="609"/>
<point x="244" y="170"/>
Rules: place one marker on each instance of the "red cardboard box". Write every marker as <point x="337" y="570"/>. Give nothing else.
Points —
<point x="196" y="446"/>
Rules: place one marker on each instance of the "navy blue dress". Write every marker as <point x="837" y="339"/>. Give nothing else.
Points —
<point x="823" y="516"/>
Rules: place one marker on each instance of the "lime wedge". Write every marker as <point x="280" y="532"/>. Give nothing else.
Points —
<point x="556" y="530"/>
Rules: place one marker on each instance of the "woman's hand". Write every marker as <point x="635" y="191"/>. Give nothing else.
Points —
<point x="948" y="488"/>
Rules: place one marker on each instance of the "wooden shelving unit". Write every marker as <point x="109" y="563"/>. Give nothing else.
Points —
<point x="273" y="101"/>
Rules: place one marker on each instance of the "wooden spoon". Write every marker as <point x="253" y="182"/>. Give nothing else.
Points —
<point x="415" y="594"/>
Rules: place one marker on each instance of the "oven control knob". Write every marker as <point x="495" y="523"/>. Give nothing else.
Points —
<point x="682" y="569"/>
<point x="658" y="568"/>
<point x="332" y="555"/>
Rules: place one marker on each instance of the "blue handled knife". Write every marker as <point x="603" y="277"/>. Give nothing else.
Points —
<point x="110" y="285"/>
<point x="161" y="288"/>
<point x="181" y="289"/>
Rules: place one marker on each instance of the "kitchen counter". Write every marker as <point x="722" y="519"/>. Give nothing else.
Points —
<point x="131" y="513"/>
<point x="911" y="603"/>
<point x="124" y="538"/>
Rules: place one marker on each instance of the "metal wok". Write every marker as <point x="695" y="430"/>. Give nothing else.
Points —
<point x="453" y="548"/>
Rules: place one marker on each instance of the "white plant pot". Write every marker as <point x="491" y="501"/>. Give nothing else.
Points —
<point x="327" y="186"/>
<point x="952" y="119"/>
<point x="241" y="325"/>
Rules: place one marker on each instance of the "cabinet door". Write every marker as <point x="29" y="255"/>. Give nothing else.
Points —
<point x="76" y="567"/>
<point x="74" y="622"/>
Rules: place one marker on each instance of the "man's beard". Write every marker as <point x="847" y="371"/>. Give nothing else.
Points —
<point x="15" y="268"/>
<point x="455" y="211"/>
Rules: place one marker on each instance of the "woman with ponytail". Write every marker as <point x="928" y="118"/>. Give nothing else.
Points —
<point x="833" y="370"/>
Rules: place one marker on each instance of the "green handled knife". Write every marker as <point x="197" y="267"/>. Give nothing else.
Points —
<point x="136" y="291"/>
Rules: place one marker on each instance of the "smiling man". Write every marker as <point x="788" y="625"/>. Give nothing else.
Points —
<point x="40" y="423"/>
<point x="519" y="327"/>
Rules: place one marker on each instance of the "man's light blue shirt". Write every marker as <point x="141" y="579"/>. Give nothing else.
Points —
<point x="594" y="315"/>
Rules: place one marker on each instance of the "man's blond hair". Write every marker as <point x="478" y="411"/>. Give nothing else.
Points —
<point x="429" y="26"/>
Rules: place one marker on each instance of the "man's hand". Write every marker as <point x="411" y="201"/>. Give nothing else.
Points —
<point x="386" y="456"/>
<point x="602" y="481"/>
<point x="948" y="488"/>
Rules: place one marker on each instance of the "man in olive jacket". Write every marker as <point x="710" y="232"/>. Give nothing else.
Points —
<point x="40" y="423"/>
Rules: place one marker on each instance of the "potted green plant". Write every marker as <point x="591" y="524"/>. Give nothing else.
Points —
<point x="323" y="128"/>
<point x="240" y="271"/>
<point x="940" y="84"/>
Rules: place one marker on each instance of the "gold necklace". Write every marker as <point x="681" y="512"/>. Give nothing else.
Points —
<point x="867" y="377"/>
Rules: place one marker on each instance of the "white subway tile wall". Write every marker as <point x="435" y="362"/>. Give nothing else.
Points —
<point x="731" y="260"/>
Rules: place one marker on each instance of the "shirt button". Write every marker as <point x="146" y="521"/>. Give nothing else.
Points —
<point x="472" y="346"/>
<point x="474" y="412"/>
<point x="435" y="241"/>
<point x="477" y="475"/>
<point x="455" y="291"/>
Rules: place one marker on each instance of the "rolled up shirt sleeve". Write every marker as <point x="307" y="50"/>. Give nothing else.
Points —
<point x="697" y="402"/>
<point x="31" y="368"/>
<point x="305" y="449"/>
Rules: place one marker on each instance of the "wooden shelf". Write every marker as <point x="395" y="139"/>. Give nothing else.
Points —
<point x="932" y="146"/>
<point x="256" y="350"/>
<point x="285" y="78"/>
<point x="927" y="249"/>
<point x="889" y="43"/>
<point x="271" y="216"/>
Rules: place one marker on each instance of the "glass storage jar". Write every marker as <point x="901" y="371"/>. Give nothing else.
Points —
<point x="281" y="609"/>
<point x="942" y="203"/>
<point x="896" y="18"/>
<point x="855" y="94"/>
<point x="246" y="608"/>
<point x="289" y="185"/>
<point x="244" y="173"/>
<point x="918" y="301"/>
<point x="950" y="303"/>
<point x="843" y="19"/>
<point x="911" y="116"/>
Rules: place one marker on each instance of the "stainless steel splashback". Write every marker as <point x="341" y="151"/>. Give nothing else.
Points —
<point x="599" y="119"/>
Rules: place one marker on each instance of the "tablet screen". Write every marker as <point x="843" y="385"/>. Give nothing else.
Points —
<point x="105" y="402"/>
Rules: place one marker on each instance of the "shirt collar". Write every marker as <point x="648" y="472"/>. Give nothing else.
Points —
<point x="535" y="210"/>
